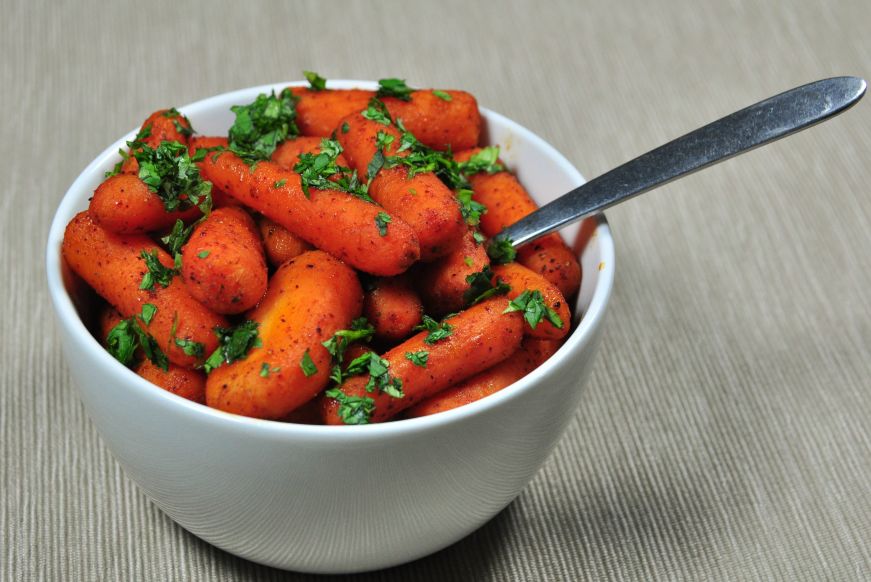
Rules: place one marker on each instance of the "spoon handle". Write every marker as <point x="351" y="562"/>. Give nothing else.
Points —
<point x="754" y="126"/>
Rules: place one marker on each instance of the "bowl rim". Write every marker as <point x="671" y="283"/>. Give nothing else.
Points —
<point x="68" y="317"/>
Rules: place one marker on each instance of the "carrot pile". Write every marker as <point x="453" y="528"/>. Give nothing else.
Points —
<point x="327" y="261"/>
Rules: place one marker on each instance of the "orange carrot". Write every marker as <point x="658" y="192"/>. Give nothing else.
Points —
<point x="123" y="204"/>
<point x="223" y="263"/>
<point x="108" y="319"/>
<point x="522" y="279"/>
<point x="480" y="337"/>
<point x="344" y="226"/>
<point x="443" y="283"/>
<point x="112" y="265"/>
<point x="532" y="353"/>
<point x="393" y="308"/>
<point x="507" y="201"/>
<point x="287" y="153"/>
<point x="162" y="125"/>
<point x="280" y="244"/>
<point x="184" y="382"/>
<point x="318" y="113"/>
<point x="423" y="201"/>
<point x="309" y="298"/>
<point x="438" y="122"/>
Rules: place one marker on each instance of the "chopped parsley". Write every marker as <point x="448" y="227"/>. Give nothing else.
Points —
<point x="534" y="309"/>
<point x="320" y="171"/>
<point x="315" y="81"/>
<point x="470" y="209"/>
<point x="177" y="237"/>
<point x="233" y="344"/>
<point x="478" y="237"/>
<point x="262" y="125"/>
<point x="470" y="262"/>
<point x="383" y="139"/>
<point x="418" y="358"/>
<point x="382" y="219"/>
<point x="169" y="172"/>
<point x="442" y="95"/>
<point x="377" y="111"/>
<point x="307" y="365"/>
<point x="345" y="127"/>
<point x="190" y="347"/>
<point x="394" y="88"/>
<point x="203" y="254"/>
<point x="148" y="312"/>
<point x="122" y="341"/>
<point x="437" y="331"/>
<point x="486" y="160"/>
<point x="481" y="286"/>
<point x="279" y="183"/>
<point x="379" y="377"/>
<point x="501" y="251"/>
<point x="375" y="165"/>
<point x="128" y="335"/>
<point x="156" y="273"/>
<point x="143" y="133"/>
<point x="266" y="369"/>
<point x="352" y="409"/>
<point x="361" y="330"/>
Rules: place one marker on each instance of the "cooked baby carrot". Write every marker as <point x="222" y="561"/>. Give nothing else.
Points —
<point x="162" y="125"/>
<point x="318" y="113"/>
<point x="279" y="243"/>
<point x="532" y="353"/>
<point x="114" y="267"/>
<point x="358" y="232"/>
<point x="507" y="201"/>
<point x="442" y="120"/>
<point x="479" y="337"/>
<point x="392" y="307"/>
<point x="123" y="204"/>
<point x="184" y="382"/>
<point x="524" y="285"/>
<point x="443" y="284"/>
<point x="223" y="263"/>
<point x="309" y="298"/>
<point x="422" y="200"/>
<point x="287" y="153"/>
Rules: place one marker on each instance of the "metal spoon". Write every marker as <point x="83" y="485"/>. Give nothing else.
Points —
<point x="757" y="125"/>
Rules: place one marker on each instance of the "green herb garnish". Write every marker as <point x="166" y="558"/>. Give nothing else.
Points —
<point x="394" y="88"/>
<point x="204" y="254"/>
<point x="345" y="127"/>
<point x="190" y="347"/>
<point x="262" y="125"/>
<point x="156" y="273"/>
<point x="234" y="344"/>
<point x="486" y="160"/>
<point x="352" y="409"/>
<point x="501" y="251"/>
<point x="534" y="309"/>
<point x="481" y="287"/>
<point x="315" y="81"/>
<point x="418" y="358"/>
<point x="470" y="209"/>
<point x="377" y="111"/>
<point x="307" y="365"/>
<point x="442" y="95"/>
<point x="169" y="172"/>
<point x="437" y="331"/>
<point x="382" y="219"/>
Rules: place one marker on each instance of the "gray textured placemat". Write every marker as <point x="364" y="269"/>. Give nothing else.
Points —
<point x="724" y="435"/>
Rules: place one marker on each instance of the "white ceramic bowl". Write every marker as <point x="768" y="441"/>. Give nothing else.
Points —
<point x="337" y="499"/>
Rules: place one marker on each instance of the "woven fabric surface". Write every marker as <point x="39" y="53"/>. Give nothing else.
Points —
<point x="725" y="432"/>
